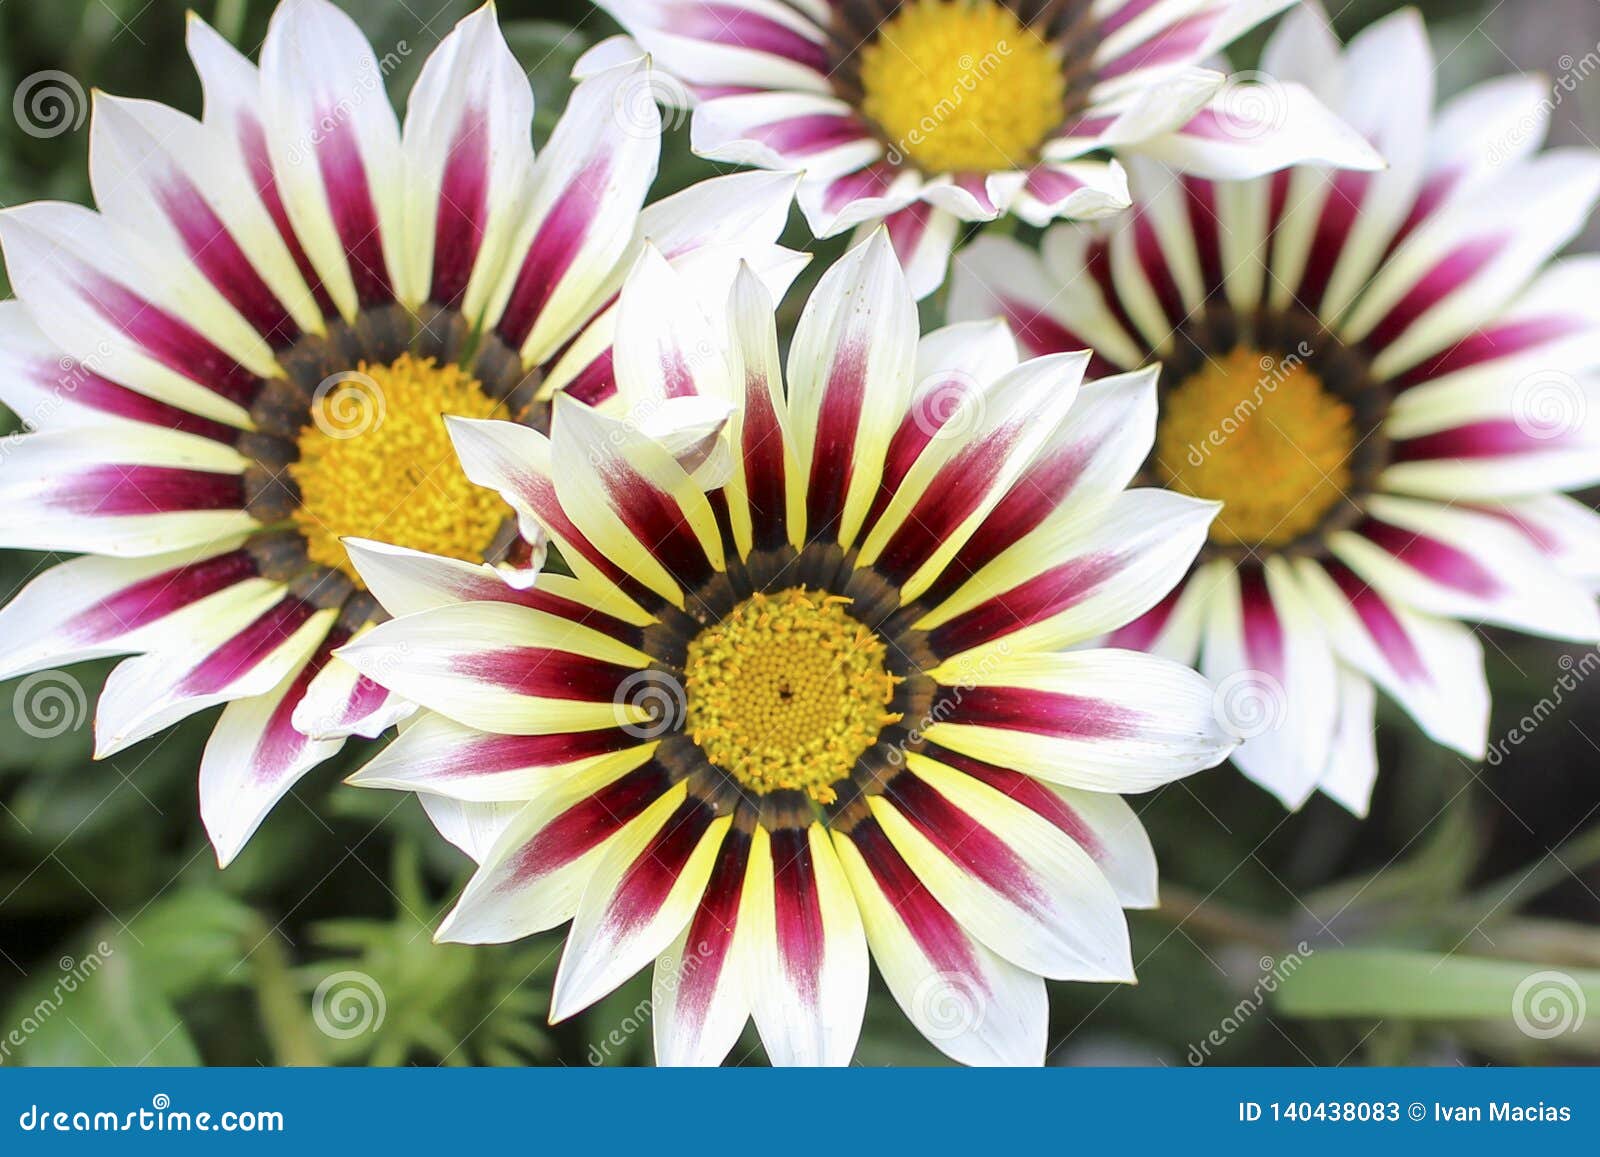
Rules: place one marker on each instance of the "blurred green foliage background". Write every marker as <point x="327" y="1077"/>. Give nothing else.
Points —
<point x="121" y="943"/>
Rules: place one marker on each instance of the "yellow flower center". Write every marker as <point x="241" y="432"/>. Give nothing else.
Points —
<point x="962" y="85"/>
<point x="1263" y="437"/>
<point x="376" y="462"/>
<point x="787" y="692"/>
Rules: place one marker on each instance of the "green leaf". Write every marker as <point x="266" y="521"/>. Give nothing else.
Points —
<point x="102" y="1010"/>
<point x="1427" y="986"/>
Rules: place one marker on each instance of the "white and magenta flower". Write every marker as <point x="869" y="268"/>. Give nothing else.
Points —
<point x="242" y="357"/>
<point x="930" y="113"/>
<point x="821" y="708"/>
<point x="1383" y="378"/>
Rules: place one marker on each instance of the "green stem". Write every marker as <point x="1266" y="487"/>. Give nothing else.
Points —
<point x="283" y="1015"/>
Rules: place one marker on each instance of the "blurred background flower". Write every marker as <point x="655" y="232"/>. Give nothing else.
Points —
<point x="1461" y="922"/>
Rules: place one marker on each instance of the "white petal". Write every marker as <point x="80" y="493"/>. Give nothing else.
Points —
<point x="850" y="374"/>
<point x="468" y="153"/>
<point x="971" y="1004"/>
<point x="1101" y="720"/>
<point x="335" y="147"/>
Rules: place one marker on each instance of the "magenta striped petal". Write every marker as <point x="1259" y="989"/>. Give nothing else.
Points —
<point x="1263" y="632"/>
<point x="838" y="423"/>
<point x="168" y="339"/>
<point x="1387" y="632"/>
<point x="798" y="913"/>
<point x="1179" y="43"/>
<point x="799" y="137"/>
<point x="1140" y="634"/>
<point x="240" y="654"/>
<point x="766" y="473"/>
<point x="258" y="160"/>
<point x="552" y="251"/>
<point x="935" y="931"/>
<point x="1492" y="343"/>
<point x="1089" y="126"/>
<point x="1200" y="203"/>
<point x="938" y="400"/>
<point x="1124" y="15"/>
<point x="1152" y="260"/>
<point x="964" y="841"/>
<point x="1444" y="564"/>
<point x="543" y="673"/>
<point x="863" y="184"/>
<point x="123" y="491"/>
<point x="585" y="826"/>
<point x="739" y="27"/>
<point x="1039" y="598"/>
<point x="158" y="596"/>
<point x="1039" y="333"/>
<point x="463" y="212"/>
<point x="907" y="227"/>
<point x="1097" y="263"/>
<point x="365" y="701"/>
<point x="1436" y="188"/>
<point x="1052" y="713"/>
<point x="644" y="887"/>
<point x="955" y="492"/>
<point x="709" y="944"/>
<point x="1341" y="209"/>
<point x="1051" y="185"/>
<point x="1027" y="791"/>
<point x="1449" y="274"/>
<point x="596" y="382"/>
<point x="1037" y="493"/>
<point x="88" y="389"/>
<point x="350" y="204"/>
<point x="654" y="518"/>
<point x="485" y="755"/>
<point x="218" y="256"/>
<point x="281" y="745"/>
<point x="1493" y="438"/>
<point x="976" y="186"/>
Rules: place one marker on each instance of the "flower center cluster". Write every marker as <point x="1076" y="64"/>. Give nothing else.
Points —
<point x="376" y="462"/>
<point x="961" y="85"/>
<point x="787" y="692"/>
<point x="1264" y="437"/>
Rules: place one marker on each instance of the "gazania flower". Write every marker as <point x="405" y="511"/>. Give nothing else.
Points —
<point x="821" y="708"/>
<point x="1380" y="379"/>
<point x="929" y="113"/>
<point x="244" y="354"/>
